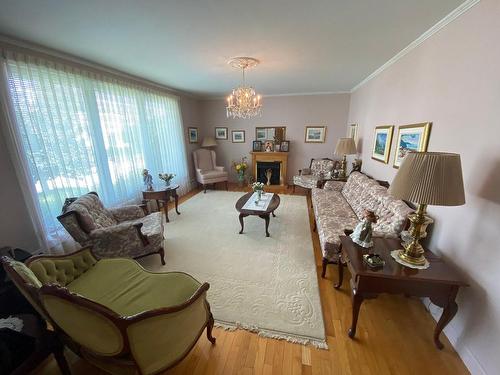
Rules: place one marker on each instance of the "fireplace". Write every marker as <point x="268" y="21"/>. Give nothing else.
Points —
<point x="276" y="161"/>
<point x="264" y="166"/>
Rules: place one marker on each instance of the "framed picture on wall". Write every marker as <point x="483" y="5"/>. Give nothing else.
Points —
<point x="315" y="134"/>
<point x="382" y="141"/>
<point x="285" y="146"/>
<point x="238" y="136"/>
<point x="220" y="133"/>
<point x="412" y="137"/>
<point x="257" y="146"/>
<point x="352" y="132"/>
<point x="193" y="134"/>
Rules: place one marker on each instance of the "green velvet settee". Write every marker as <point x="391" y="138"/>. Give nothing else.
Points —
<point x="114" y="313"/>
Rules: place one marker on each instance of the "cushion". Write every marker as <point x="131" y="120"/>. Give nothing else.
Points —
<point x="125" y="287"/>
<point x="306" y="181"/>
<point x="204" y="159"/>
<point x="90" y="208"/>
<point x="331" y="203"/>
<point x="25" y="273"/>
<point x="321" y="167"/>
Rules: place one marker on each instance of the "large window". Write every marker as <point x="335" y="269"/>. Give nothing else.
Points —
<point x="84" y="132"/>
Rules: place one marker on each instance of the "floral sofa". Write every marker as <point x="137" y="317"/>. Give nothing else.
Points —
<point x="116" y="232"/>
<point x="339" y="206"/>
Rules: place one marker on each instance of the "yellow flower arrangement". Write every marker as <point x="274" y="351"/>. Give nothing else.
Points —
<point x="240" y="168"/>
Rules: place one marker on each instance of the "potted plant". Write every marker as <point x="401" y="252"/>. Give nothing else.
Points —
<point x="258" y="187"/>
<point x="167" y="177"/>
<point x="240" y="168"/>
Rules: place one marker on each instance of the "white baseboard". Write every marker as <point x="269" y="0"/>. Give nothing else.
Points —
<point x="469" y="359"/>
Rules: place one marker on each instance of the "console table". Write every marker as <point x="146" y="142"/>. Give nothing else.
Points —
<point x="439" y="282"/>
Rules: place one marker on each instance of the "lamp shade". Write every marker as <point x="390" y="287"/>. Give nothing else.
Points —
<point x="208" y="142"/>
<point x="345" y="146"/>
<point x="433" y="178"/>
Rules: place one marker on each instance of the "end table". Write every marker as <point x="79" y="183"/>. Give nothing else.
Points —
<point x="163" y="194"/>
<point x="439" y="282"/>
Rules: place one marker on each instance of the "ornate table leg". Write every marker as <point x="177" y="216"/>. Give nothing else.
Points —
<point x="241" y="222"/>
<point x="447" y="315"/>
<point x="176" y="197"/>
<point x="357" y="299"/>
<point x="267" y="219"/>
<point x="273" y="214"/>
<point x="165" y="208"/>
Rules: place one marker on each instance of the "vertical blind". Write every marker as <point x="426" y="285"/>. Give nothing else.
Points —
<point x="81" y="131"/>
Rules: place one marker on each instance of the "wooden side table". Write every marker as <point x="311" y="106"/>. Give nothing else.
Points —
<point x="163" y="194"/>
<point x="439" y="282"/>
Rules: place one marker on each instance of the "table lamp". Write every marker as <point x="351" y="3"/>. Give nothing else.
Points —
<point x="345" y="146"/>
<point x="208" y="142"/>
<point x="425" y="178"/>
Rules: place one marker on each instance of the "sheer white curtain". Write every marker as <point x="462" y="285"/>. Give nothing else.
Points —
<point x="80" y="132"/>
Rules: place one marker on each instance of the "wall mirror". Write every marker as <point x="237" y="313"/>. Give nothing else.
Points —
<point x="270" y="133"/>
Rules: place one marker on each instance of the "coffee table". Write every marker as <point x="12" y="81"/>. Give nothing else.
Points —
<point x="273" y="205"/>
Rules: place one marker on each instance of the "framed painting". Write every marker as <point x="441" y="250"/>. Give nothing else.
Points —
<point x="238" y="136"/>
<point x="193" y="135"/>
<point x="382" y="143"/>
<point x="220" y="133"/>
<point x="352" y="132"/>
<point x="412" y="137"/>
<point x="285" y="146"/>
<point x="315" y="134"/>
<point x="257" y="146"/>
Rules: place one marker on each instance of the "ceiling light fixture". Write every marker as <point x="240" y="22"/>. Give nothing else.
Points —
<point x="244" y="101"/>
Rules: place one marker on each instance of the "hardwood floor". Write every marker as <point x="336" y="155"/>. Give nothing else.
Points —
<point x="394" y="336"/>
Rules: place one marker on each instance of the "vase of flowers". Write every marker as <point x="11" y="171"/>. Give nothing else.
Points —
<point x="240" y="168"/>
<point x="258" y="187"/>
<point x="167" y="177"/>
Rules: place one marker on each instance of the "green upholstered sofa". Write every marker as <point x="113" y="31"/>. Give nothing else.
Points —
<point x="114" y="313"/>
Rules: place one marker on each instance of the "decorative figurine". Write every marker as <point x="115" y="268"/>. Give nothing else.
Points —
<point x="148" y="179"/>
<point x="362" y="234"/>
<point x="269" y="173"/>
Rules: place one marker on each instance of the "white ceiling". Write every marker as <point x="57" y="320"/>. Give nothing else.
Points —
<point x="305" y="46"/>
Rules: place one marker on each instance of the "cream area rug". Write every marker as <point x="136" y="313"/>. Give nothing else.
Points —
<point x="266" y="285"/>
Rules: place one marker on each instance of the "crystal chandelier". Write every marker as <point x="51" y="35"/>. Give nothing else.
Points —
<point x="244" y="101"/>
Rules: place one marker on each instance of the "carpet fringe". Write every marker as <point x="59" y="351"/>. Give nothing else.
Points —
<point x="319" y="344"/>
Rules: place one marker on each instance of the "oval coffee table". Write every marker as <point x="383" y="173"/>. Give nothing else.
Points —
<point x="273" y="205"/>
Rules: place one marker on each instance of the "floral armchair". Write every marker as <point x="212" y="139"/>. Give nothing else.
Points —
<point x="116" y="232"/>
<point x="114" y="313"/>
<point x="313" y="176"/>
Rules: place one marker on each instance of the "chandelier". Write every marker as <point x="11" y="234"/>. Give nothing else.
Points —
<point x="243" y="101"/>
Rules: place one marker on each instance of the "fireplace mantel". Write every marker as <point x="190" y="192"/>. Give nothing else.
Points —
<point x="280" y="157"/>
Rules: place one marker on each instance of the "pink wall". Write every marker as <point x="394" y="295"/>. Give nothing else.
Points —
<point x="190" y="110"/>
<point x="453" y="80"/>
<point x="294" y="112"/>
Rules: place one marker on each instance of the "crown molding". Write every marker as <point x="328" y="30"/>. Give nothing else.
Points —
<point x="464" y="7"/>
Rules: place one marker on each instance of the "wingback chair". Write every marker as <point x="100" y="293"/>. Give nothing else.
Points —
<point x="207" y="171"/>
<point x="116" y="232"/>
<point x="313" y="176"/>
<point x="113" y="313"/>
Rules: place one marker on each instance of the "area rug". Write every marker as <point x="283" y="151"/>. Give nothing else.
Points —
<point x="264" y="284"/>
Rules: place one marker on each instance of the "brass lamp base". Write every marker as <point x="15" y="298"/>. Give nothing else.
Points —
<point x="343" y="167"/>
<point x="413" y="252"/>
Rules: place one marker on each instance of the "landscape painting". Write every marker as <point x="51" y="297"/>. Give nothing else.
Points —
<point x="382" y="143"/>
<point x="413" y="137"/>
<point x="315" y="134"/>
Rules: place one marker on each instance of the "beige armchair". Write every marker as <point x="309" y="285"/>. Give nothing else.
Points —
<point x="114" y="313"/>
<point x="207" y="171"/>
<point x="117" y="232"/>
